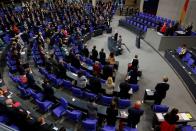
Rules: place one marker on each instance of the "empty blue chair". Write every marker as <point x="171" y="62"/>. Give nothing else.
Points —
<point x="74" y="115"/>
<point x="36" y="95"/>
<point x="179" y="50"/>
<point x="24" y="93"/>
<point x="67" y="84"/>
<point x="106" y="100"/>
<point x="15" y="127"/>
<point x="187" y="128"/>
<point x="160" y="108"/>
<point x="126" y="128"/>
<point x="186" y="57"/>
<point x="124" y="103"/>
<point x="190" y="62"/>
<point x="77" y="92"/>
<point x="194" y="70"/>
<point x="45" y="105"/>
<point x="89" y="61"/>
<point x="3" y="119"/>
<point x="135" y="87"/>
<point x="73" y="69"/>
<point x="103" y="81"/>
<point x="89" y="124"/>
<point x="14" y="78"/>
<point x="61" y="110"/>
<point x="89" y="95"/>
<point x="108" y="128"/>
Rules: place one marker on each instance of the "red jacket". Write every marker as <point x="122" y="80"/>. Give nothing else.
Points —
<point x="165" y="126"/>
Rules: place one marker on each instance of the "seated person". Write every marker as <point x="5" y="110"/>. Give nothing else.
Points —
<point x="183" y="51"/>
<point x="188" y="29"/>
<point x="109" y="89"/>
<point x="163" y="28"/>
<point x="81" y="80"/>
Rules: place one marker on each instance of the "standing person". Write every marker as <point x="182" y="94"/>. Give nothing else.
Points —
<point x="111" y="59"/>
<point x="102" y="56"/>
<point x="94" y="53"/>
<point x="170" y="121"/>
<point x="112" y="113"/>
<point x="48" y="91"/>
<point x="109" y="86"/>
<point x="81" y="80"/>
<point x="97" y="68"/>
<point x="163" y="28"/>
<point x="124" y="90"/>
<point x="85" y="51"/>
<point x="134" y="115"/>
<point x="92" y="109"/>
<point x="160" y="91"/>
<point x="135" y="62"/>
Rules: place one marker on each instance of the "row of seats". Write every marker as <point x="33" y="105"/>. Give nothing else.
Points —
<point x="154" y="18"/>
<point x="188" y="59"/>
<point x="77" y="92"/>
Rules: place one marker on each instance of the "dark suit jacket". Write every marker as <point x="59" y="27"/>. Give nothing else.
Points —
<point x="124" y="89"/>
<point x="134" y="116"/>
<point x="135" y="62"/>
<point x="45" y="127"/>
<point x="102" y="56"/>
<point x="111" y="116"/>
<point x="161" y="89"/>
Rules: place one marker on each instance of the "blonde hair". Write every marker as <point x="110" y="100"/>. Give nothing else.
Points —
<point x="109" y="80"/>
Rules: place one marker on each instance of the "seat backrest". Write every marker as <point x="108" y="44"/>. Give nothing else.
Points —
<point x="160" y="108"/>
<point x="106" y="100"/>
<point x="76" y="91"/>
<point x="190" y="62"/>
<point x="123" y="103"/>
<point x="89" y="95"/>
<point x="63" y="102"/>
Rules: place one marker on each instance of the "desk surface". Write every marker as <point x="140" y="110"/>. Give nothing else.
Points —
<point x="82" y="104"/>
<point x="183" y="117"/>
